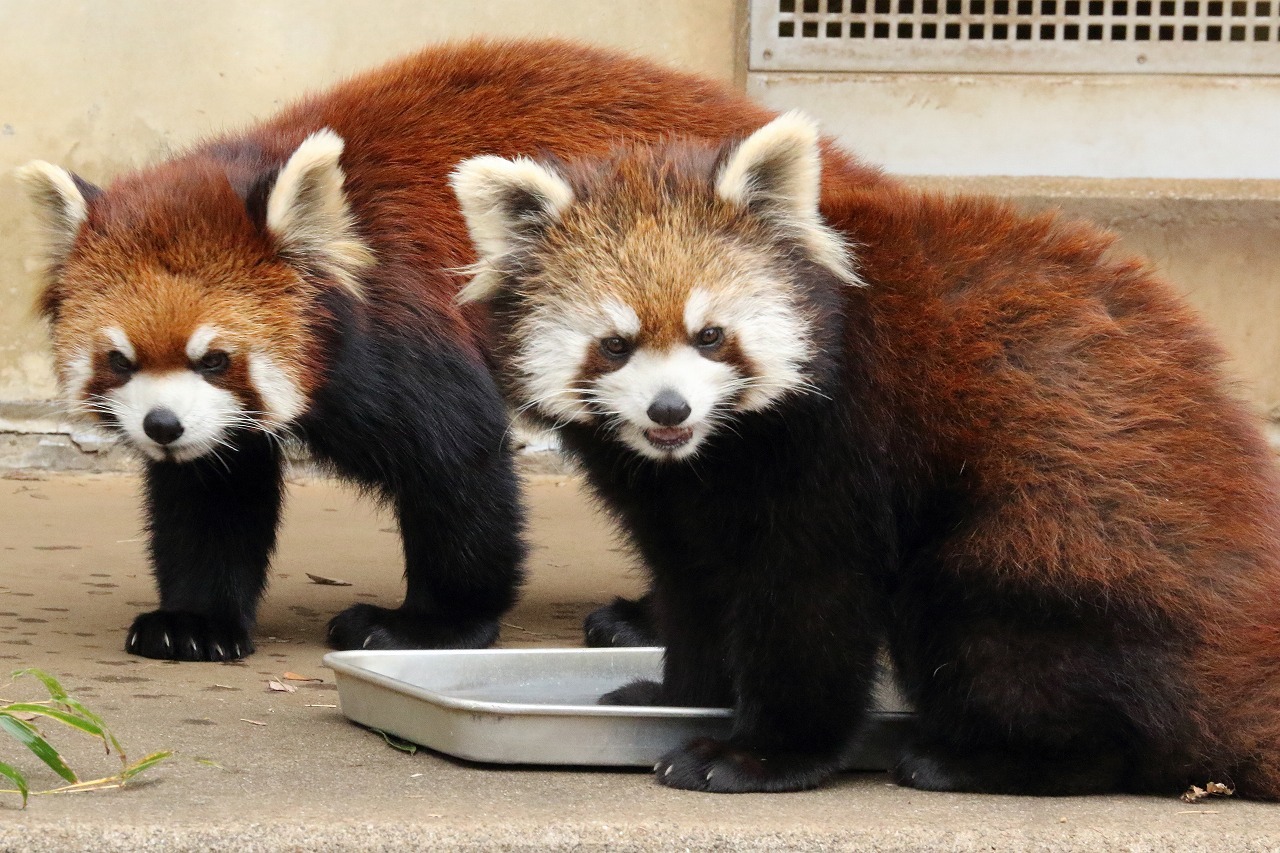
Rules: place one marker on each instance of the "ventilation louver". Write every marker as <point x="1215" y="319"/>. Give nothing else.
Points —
<point x="1017" y="36"/>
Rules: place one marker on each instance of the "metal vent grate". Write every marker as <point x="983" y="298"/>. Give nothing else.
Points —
<point x="1104" y="36"/>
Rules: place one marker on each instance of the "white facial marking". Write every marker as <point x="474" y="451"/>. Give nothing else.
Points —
<point x="280" y="395"/>
<point x="557" y="338"/>
<point x="697" y="311"/>
<point x="120" y="341"/>
<point x="773" y="336"/>
<point x="623" y="319"/>
<point x="205" y="411"/>
<point x="199" y="342"/>
<point x="628" y="392"/>
<point x="76" y="374"/>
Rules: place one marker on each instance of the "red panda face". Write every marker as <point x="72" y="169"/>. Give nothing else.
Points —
<point x="177" y="319"/>
<point x="655" y="295"/>
<point x="172" y="373"/>
<point x="666" y="360"/>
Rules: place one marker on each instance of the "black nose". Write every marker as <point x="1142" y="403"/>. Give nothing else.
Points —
<point x="668" y="408"/>
<point x="162" y="426"/>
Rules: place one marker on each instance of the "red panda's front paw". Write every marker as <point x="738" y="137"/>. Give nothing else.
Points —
<point x="721" y="767"/>
<point x="366" y="626"/>
<point x="184" y="635"/>
<point x="621" y="624"/>
<point x="638" y="692"/>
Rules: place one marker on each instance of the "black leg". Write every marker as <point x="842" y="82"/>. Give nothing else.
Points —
<point x="621" y="624"/>
<point x="802" y="681"/>
<point x="936" y="767"/>
<point x="213" y="528"/>
<point x="463" y="555"/>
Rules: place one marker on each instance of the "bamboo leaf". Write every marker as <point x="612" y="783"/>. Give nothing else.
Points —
<point x="26" y="734"/>
<point x="17" y="779"/>
<point x="143" y="764"/>
<point x="107" y="735"/>
<point x="73" y="720"/>
<point x="56" y="690"/>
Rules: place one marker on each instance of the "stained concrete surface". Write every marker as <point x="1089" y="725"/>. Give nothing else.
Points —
<point x="72" y="576"/>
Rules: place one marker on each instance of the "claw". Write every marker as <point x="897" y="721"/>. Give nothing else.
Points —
<point x="132" y="642"/>
<point x="168" y="644"/>
<point x="237" y="650"/>
<point x="367" y="641"/>
<point x="219" y="651"/>
<point x="195" y="649"/>
<point x="710" y="773"/>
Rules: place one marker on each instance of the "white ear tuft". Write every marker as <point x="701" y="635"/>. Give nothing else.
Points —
<point x="308" y="214"/>
<point x="777" y="171"/>
<point x="60" y="204"/>
<point x="503" y="202"/>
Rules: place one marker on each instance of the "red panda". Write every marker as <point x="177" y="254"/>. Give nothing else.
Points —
<point x="297" y="279"/>
<point x="973" y="436"/>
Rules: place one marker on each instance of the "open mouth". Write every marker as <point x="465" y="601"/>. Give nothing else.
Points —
<point x="669" y="438"/>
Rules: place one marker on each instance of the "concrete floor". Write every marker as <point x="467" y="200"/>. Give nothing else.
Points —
<point x="72" y="576"/>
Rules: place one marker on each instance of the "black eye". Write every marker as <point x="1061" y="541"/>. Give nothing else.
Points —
<point x="119" y="363"/>
<point x="711" y="336"/>
<point x="216" y="361"/>
<point x="615" y="347"/>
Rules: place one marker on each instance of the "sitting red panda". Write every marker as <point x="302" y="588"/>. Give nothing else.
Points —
<point x="932" y="423"/>
<point x="297" y="279"/>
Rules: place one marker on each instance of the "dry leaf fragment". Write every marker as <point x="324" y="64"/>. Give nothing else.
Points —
<point x="280" y="687"/>
<point x="1211" y="789"/>
<point x="293" y="676"/>
<point x="324" y="581"/>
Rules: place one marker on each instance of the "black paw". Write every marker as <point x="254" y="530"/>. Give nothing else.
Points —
<point x="639" y="692"/>
<point x="623" y="623"/>
<point x="721" y="767"/>
<point x="365" y="626"/>
<point x="918" y="768"/>
<point x="182" y="635"/>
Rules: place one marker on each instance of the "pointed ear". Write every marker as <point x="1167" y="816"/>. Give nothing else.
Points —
<point x="62" y="201"/>
<point x="777" y="172"/>
<point x="307" y="212"/>
<point x="504" y="202"/>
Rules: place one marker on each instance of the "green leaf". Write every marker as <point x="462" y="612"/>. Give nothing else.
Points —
<point x="59" y="695"/>
<point x="26" y="734"/>
<point x="398" y="742"/>
<point x="76" y="707"/>
<point x="17" y="779"/>
<point x="72" y="720"/>
<point x="56" y="691"/>
<point x="143" y="764"/>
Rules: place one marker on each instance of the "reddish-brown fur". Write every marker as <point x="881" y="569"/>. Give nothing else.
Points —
<point x="390" y="388"/>
<point x="1080" y="403"/>
<point x="406" y="126"/>
<point x="1022" y="464"/>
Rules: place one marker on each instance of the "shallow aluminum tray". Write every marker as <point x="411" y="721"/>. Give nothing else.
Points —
<point x="538" y="706"/>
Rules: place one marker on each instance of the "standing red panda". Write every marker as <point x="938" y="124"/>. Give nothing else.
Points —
<point x="933" y="423"/>
<point x="295" y="278"/>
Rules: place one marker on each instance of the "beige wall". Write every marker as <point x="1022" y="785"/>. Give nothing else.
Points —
<point x="105" y="85"/>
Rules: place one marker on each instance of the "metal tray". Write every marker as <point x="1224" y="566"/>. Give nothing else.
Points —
<point x="538" y="706"/>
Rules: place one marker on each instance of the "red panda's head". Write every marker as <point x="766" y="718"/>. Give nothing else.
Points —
<point x="658" y="293"/>
<point x="178" y="298"/>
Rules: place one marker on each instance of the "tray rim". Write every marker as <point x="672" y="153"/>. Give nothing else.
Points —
<point x="341" y="663"/>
